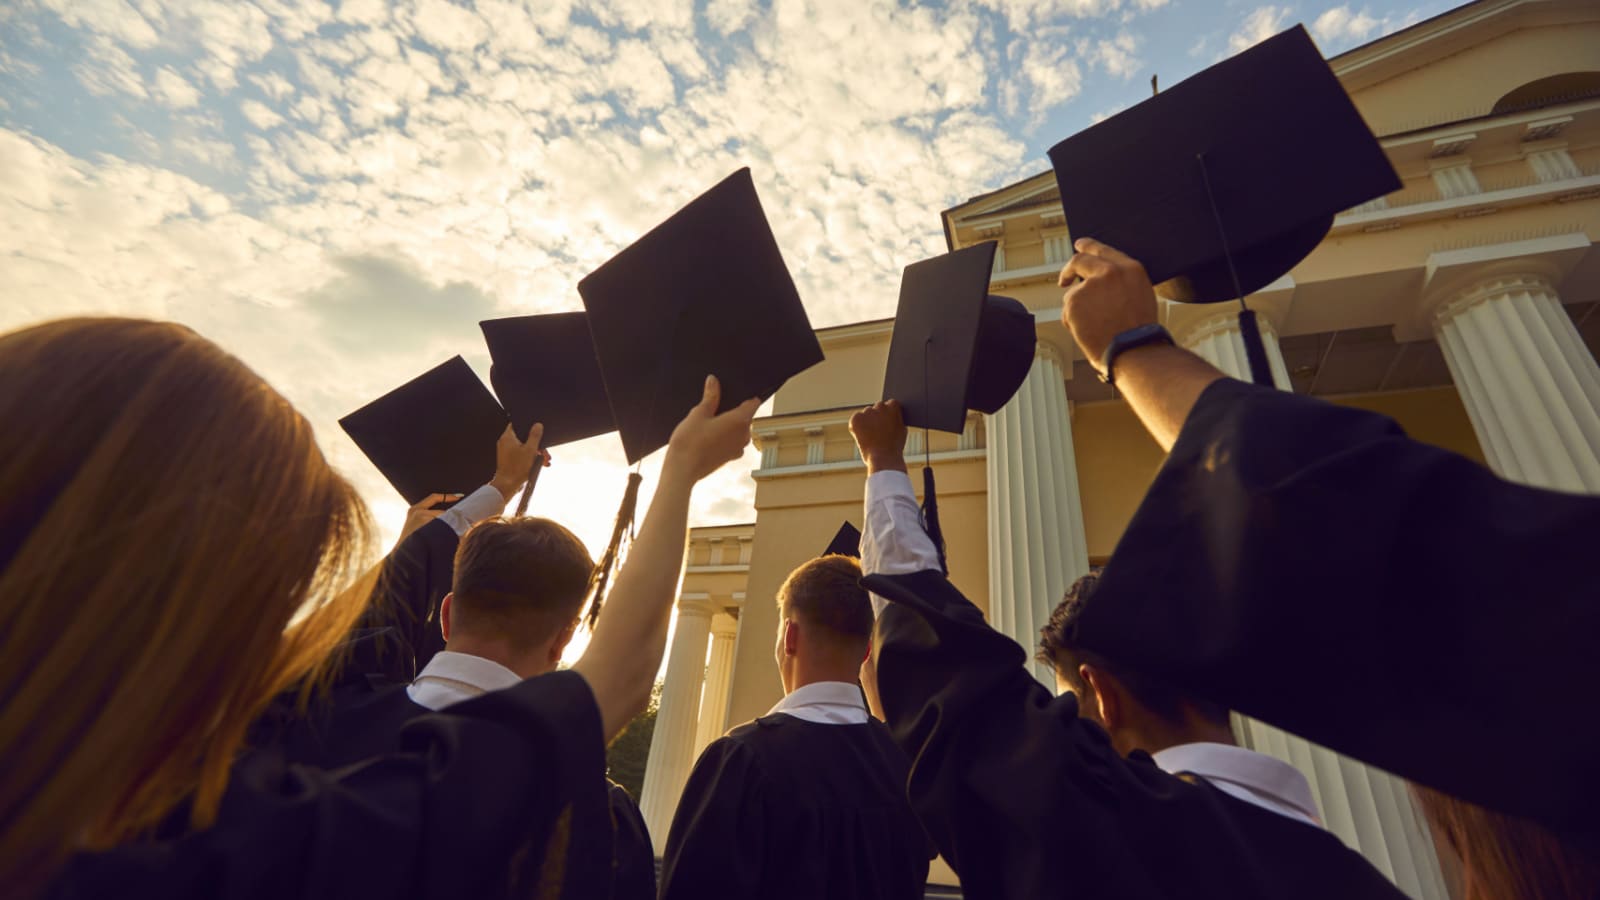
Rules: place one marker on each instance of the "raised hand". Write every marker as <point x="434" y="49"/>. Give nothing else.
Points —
<point x="514" y="460"/>
<point x="880" y="433"/>
<point x="422" y="512"/>
<point x="704" y="441"/>
<point x="1107" y="293"/>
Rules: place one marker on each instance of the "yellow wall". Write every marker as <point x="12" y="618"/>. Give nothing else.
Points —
<point x="850" y="374"/>
<point x="1469" y="83"/>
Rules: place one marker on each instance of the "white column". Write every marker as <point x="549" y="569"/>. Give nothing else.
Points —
<point x="1036" y="540"/>
<point x="719" y="677"/>
<point x="1218" y="341"/>
<point x="672" y="747"/>
<point x="1370" y="810"/>
<point x="1530" y="386"/>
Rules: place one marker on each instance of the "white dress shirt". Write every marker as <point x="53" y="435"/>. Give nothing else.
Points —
<point x="894" y="543"/>
<point x="452" y="677"/>
<point x="474" y="508"/>
<point x="825" y="703"/>
<point x="1253" y="777"/>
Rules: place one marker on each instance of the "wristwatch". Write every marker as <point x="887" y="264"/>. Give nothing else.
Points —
<point x="1127" y="340"/>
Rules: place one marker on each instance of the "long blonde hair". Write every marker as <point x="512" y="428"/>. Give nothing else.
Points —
<point x="172" y="551"/>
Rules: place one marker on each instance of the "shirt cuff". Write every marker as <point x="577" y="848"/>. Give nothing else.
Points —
<point x="481" y="504"/>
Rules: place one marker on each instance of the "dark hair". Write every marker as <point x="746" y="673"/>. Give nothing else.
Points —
<point x="1509" y="858"/>
<point x="1058" y="649"/>
<point x="827" y="592"/>
<point x="525" y="577"/>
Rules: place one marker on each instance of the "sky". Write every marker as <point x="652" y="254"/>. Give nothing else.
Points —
<point x="337" y="192"/>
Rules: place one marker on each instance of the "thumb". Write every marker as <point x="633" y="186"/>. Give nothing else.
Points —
<point x="712" y="398"/>
<point x="535" y="435"/>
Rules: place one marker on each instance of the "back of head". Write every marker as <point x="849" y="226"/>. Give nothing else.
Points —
<point x="519" y="580"/>
<point x="825" y="595"/>
<point x="166" y="516"/>
<point x="1059" y="649"/>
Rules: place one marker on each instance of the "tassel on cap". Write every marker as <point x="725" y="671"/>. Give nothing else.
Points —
<point x="602" y="572"/>
<point x="930" y="516"/>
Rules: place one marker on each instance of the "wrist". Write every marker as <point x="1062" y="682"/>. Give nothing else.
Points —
<point x="884" y="461"/>
<point x="507" y="486"/>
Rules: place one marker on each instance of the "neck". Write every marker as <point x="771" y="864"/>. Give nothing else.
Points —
<point x="527" y="663"/>
<point x="812" y="673"/>
<point x="1154" y="735"/>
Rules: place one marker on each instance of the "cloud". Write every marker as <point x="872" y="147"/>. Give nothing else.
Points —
<point x="260" y="115"/>
<point x="1344" y="26"/>
<point x="1262" y="22"/>
<point x="173" y="90"/>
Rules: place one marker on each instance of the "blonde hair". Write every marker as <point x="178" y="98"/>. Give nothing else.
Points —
<point x="172" y="548"/>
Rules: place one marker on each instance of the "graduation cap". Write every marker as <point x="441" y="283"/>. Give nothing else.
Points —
<point x="436" y="432"/>
<point x="703" y="293"/>
<point x="955" y="347"/>
<point x="544" y="370"/>
<point x="1224" y="182"/>
<point x="846" y="542"/>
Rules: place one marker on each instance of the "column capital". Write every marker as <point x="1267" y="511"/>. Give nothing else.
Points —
<point x="696" y="604"/>
<point x="1452" y="275"/>
<point x="725" y="626"/>
<point x="1191" y="323"/>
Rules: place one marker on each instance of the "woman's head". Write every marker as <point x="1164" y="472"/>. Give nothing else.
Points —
<point x="1504" y="857"/>
<point x="164" y="517"/>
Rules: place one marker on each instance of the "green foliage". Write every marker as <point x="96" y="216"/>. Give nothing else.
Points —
<point x="626" y="757"/>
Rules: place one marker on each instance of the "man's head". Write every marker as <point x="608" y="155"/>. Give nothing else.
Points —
<point x="1137" y="710"/>
<point x="519" y="586"/>
<point x="824" y="622"/>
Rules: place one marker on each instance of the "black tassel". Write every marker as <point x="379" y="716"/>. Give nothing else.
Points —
<point x="1254" y="350"/>
<point x="930" y="516"/>
<point x="602" y="572"/>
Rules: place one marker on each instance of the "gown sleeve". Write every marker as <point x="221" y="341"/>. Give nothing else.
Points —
<point x="634" y="857"/>
<point x="502" y="795"/>
<point x="717" y="844"/>
<point x="1310" y="565"/>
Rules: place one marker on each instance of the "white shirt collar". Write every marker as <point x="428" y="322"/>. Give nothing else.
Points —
<point x="1246" y="775"/>
<point x="825" y="702"/>
<point x="452" y="677"/>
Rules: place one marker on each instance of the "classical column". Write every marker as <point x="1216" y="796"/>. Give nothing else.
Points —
<point x="1370" y="810"/>
<point x="672" y="747"/>
<point x="1217" y="340"/>
<point x="1036" y="540"/>
<point x="719" y="676"/>
<point x="1530" y="386"/>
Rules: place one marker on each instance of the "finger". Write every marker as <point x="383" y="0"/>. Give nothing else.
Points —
<point x="712" y="397"/>
<point x="1086" y="265"/>
<point x="1104" y="251"/>
<point x="429" y="501"/>
<point x="509" y="434"/>
<point x="548" y="459"/>
<point x="535" y="435"/>
<point x="748" y="408"/>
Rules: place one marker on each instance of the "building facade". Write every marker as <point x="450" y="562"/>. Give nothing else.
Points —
<point x="1463" y="305"/>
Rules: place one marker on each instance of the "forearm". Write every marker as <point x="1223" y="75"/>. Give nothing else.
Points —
<point x="1162" y="384"/>
<point x="622" y="659"/>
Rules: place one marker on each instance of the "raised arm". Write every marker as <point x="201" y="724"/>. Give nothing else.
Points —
<point x="622" y="659"/>
<point x="1108" y="293"/>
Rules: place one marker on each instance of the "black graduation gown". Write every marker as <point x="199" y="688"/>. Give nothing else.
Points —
<point x="1025" y="799"/>
<point x="416" y="576"/>
<point x="457" y="810"/>
<point x="785" y="808"/>
<point x="1311" y="566"/>
<point x="361" y="719"/>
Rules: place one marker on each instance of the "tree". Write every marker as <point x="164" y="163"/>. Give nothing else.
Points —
<point x="627" y="755"/>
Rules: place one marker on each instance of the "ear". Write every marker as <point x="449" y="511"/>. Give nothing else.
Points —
<point x="445" y="610"/>
<point x="1108" y="694"/>
<point x="791" y="637"/>
<point x="562" y="638"/>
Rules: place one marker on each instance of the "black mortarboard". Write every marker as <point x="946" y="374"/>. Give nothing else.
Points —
<point x="703" y="293"/>
<point x="544" y="370"/>
<point x="1269" y="134"/>
<point x="846" y="542"/>
<point x="435" y="433"/>
<point x="955" y="346"/>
